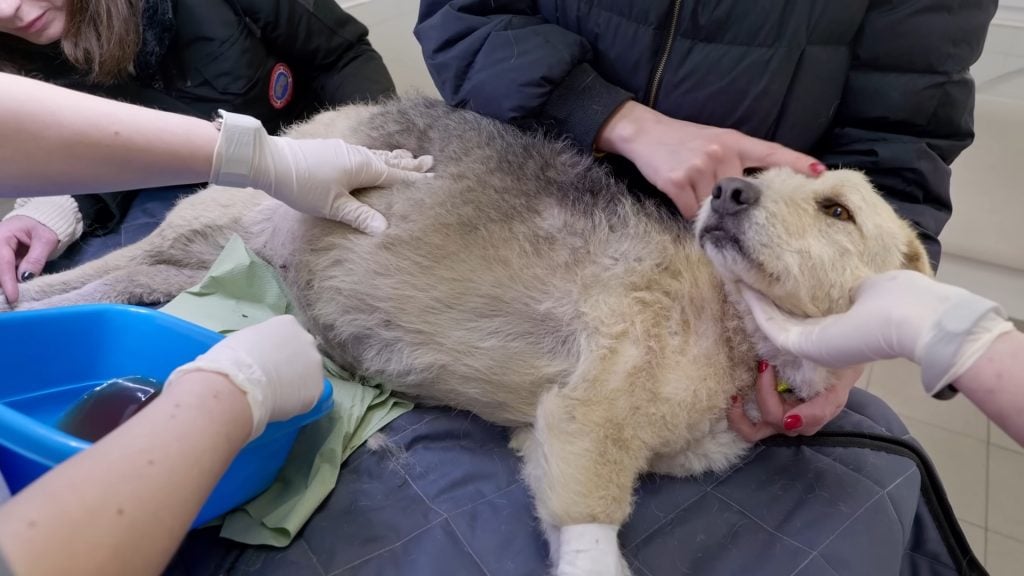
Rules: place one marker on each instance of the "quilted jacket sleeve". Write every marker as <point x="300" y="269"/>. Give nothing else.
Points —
<point x="502" y="59"/>
<point x="908" y="107"/>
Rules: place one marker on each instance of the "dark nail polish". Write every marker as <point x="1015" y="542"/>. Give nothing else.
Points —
<point x="734" y="399"/>
<point x="793" y="422"/>
<point x="26" y="276"/>
<point x="762" y="366"/>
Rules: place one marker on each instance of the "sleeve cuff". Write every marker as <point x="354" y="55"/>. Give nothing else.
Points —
<point x="582" y="103"/>
<point x="58" y="213"/>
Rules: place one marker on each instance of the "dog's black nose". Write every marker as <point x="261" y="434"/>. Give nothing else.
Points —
<point x="733" y="195"/>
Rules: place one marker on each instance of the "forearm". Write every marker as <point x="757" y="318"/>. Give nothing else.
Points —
<point x="164" y="462"/>
<point x="995" y="383"/>
<point x="57" y="139"/>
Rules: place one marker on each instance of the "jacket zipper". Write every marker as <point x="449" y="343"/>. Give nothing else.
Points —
<point x="656" y="80"/>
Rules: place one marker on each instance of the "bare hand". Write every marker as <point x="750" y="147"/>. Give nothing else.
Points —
<point x="783" y="416"/>
<point x="685" y="160"/>
<point x="25" y="246"/>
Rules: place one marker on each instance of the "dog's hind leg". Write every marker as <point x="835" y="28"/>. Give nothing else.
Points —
<point x="189" y="240"/>
<point x="52" y="285"/>
<point x="139" y="284"/>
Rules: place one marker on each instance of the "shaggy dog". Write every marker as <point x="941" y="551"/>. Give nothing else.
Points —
<point x="522" y="282"/>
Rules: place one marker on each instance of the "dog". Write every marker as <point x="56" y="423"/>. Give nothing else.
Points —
<point x="524" y="283"/>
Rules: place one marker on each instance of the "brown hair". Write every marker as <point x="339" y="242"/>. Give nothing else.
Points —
<point x="101" y="38"/>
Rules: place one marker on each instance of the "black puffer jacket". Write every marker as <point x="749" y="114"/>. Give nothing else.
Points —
<point x="276" y="60"/>
<point x="878" y="85"/>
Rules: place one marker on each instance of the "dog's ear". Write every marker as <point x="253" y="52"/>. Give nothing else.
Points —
<point x="915" y="257"/>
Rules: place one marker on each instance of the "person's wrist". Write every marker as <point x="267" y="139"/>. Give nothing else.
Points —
<point x="955" y="338"/>
<point x="216" y="393"/>
<point x="237" y="156"/>
<point x="623" y="128"/>
<point x="231" y="361"/>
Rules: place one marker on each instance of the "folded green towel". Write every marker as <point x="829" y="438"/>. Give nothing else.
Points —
<point x="241" y="290"/>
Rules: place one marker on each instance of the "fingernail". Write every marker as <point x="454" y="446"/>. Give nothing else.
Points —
<point x="734" y="398"/>
<point x="792" y="422"/>
<point x="817" y="168"/>
<point x="762" y="366"/>
<point x="26" y="276"/>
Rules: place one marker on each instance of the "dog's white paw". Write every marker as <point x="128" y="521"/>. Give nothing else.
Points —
<point x="590" y="550"/>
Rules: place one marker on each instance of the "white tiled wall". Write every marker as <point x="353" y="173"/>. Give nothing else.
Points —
<point x="984" y="240"/>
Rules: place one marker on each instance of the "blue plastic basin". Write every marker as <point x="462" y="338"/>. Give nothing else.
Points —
<point x="54" y="356"/>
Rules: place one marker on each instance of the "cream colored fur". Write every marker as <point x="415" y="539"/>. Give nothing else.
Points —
<point x="524" y="284"/>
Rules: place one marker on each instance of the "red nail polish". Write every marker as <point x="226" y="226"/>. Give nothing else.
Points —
<point x="762" y="366"/>
<point x="735" y="398"/>
<point x="792" y="422"/>
<point x="817" y="168"/>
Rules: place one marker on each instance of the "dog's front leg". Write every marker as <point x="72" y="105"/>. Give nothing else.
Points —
<point x="581" y="461"/>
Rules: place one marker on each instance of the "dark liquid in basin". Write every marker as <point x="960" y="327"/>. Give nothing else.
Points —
<point x="107" y="406"/>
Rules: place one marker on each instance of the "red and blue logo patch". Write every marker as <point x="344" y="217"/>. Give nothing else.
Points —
<point x="281" y="86"/>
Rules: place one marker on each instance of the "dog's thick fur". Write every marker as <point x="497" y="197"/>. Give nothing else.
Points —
<point x="523" y="283"/>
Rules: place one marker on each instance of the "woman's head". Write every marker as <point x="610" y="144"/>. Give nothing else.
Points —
<point x="37" y="21"/>
<point x="100" y="37"/>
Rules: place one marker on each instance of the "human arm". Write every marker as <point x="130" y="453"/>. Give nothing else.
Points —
<point x="995" y="384"/>
<point x="123" y="505"/>
<point x="103" y="213"/>
<point x="106" y="145"/>
<point x="505" y="60"/>
<point x="102" y="145"/>
<point x="907" y="108"/>
<point x="904" y="314"/>
<point x="325" y="44"/>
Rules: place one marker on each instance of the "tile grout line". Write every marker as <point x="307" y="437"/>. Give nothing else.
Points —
<point x="1007" y="536"/>
<point x="902" y="415"/>
<point x="943" y="428"/>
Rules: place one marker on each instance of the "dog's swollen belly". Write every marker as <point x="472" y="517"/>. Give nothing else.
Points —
<point x="521" y="282"/>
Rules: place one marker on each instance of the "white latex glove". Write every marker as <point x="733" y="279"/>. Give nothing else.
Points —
<point x="590" y="550"/>
<point x="276" y="364"/>
<point x="311" y="176"/>
<point x="899" y="314"/>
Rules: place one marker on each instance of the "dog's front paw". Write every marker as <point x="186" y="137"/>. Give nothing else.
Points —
<point x="519" y="439"/>
<point x="590" y="550"/>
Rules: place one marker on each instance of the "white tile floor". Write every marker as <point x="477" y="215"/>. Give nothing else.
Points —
<point x="980" y="467"/>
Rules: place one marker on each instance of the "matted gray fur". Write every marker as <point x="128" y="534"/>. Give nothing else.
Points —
<point x="523" y="283"/>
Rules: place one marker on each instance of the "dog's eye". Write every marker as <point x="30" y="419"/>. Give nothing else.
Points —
<point x="837" y="211"/>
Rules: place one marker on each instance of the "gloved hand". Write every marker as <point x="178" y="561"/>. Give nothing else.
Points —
<point x="899" y="314"/>
<point x="276" y="364"/>
<point x="311" y="176"/>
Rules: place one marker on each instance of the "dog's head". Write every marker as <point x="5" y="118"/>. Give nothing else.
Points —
<point x="805" y="243"/>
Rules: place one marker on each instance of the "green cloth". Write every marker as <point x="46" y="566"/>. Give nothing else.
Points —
<point x="241" y="290"/>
